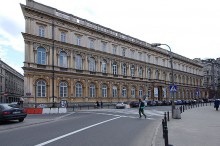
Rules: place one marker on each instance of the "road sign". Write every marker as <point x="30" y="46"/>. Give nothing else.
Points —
<point x="173" y="88"/>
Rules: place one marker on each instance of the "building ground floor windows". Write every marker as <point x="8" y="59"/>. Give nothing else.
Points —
<point x="73" y="88"/>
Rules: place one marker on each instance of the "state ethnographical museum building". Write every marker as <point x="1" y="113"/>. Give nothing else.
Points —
<point x="73" y="59"/>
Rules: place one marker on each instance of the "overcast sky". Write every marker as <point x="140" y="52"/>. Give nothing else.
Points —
<point x="190" y="27"/>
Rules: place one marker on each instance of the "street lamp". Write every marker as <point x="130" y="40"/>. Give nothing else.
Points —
<point x="171" y="65"/>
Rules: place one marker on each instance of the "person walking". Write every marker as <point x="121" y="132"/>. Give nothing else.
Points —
<point x="101" y="104"/>
<point x="141" y="108"/>
<point x="216" y="104"/>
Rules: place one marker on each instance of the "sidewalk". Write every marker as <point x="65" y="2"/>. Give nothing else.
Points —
<point x="197" y="127"/>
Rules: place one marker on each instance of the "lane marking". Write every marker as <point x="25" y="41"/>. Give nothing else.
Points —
<point x="74" y="132"/>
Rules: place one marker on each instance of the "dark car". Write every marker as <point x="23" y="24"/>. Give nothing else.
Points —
<point x="134" y="104"/>
<point x="8" y="113"/>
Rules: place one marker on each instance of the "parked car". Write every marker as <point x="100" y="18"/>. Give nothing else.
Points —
<point x="151" y="103"/>
<point x="8" y="113"/>
<point x="134" y="104"/>
<point x="14" y="104"/>
<point x="120" y="105"/>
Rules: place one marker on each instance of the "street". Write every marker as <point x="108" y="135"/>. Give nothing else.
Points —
<point x="97" y="127"/>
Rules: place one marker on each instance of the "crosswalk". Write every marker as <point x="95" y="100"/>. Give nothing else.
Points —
<point x="128" y="113"/>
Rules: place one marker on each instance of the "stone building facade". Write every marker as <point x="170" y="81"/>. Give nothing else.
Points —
<point x="211" y="72"/>
<point x="11" y="84"/>
<point x="73" y="59"/>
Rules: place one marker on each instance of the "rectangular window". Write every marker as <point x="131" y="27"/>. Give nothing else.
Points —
<point x="114" y="49"/>
<point x="78" y="40"/>
<point x="41" y="31"/>
<point x="123" y="52"/>
<point x="92" y="44"/>
<point x="140" y="56"/>
<point x="63" y="37"/>
<point x="104" y="46"/>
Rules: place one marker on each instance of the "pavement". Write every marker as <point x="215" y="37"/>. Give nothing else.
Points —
<point x="198" y="126"/>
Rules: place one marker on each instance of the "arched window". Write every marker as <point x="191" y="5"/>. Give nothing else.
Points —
<point x="132" y="91"/>
<point x="140" y="72"/>
<point x="78" y="62"/>
<point x="124" y="70"/>
<point x="140" y="92"/>
<point x="92" y="90"/>
<point x="92" y="64"/>
<point x="104" y="90"/>
<point x="41" y="88"/>
<point x="63" y="89"/>
<point x="63" y="59"/>
<point x="114" y="68"/>
<point x="41" y="55"/>
<point x="79" y="90"/>
<point x="104" y="66"/>
<point x="124" y="92"/>
<point x="132" y="70"/>
<point x="114" y="91"/>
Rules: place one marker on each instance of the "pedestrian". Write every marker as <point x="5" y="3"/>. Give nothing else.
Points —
<point x="97" y="104"/>
<point x="101" y="104"/>
<point x="141" y="108"/>
<point x="21" y="102"/>
<point x="216" y="104"/>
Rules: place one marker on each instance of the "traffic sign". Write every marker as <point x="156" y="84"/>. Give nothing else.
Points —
<point x="173" y="88"/>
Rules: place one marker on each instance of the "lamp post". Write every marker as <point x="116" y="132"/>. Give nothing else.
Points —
<point x="171" y="65"/>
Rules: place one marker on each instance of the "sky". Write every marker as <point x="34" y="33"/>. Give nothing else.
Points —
<point x="190" y="27"/>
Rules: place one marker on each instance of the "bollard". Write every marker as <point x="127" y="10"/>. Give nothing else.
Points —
<point x="165" y="117"/>
<point x="80" y="107"/>
<point x="88" y="106"/>
<point x="166" y="136"/>
<point x="183" y="108"/>
<point x="168" y="116"/>
<point x="163" y="125"/>
<point x="73" y="108"/>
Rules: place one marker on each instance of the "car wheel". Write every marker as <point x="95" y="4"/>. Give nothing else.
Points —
<point x="21" y="120"/>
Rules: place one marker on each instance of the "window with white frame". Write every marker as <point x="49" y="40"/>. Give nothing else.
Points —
<point x="124" y="70"/>
<point x="140" y="72"/>
<point x="41" y="55"/>
<point x="164" y="94"/>
<point x="92" y="90"/>
<point x="114" y="91"/>
<point x="63" y="37"/>
<point x="132" y="92"/>
<point x="124" y="92"/>
<point x="114" y="68"/>
<point x="104" y="46"/>
<point x="63" y="89"/>
<point x="123" y="52"/>
<point x="91" y="43"/>
<point x="78" y="61"/>
<point x="79" y="90"/>
<point x="104" y="66"/>
<point x="132" y="70"/>
<point x="63" y="59"/>
<point x="92" y="64"/>
<point x="41" y="31"/>
<point x="140" y="92"/>
<point x="104" y="90"/>
<point x="41" y="88"/>
<point x="114" y="49"/>
<point x="78" y="40"/>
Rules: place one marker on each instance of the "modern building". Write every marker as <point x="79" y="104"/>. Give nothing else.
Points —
<point x="211" y="69"/>
<point x="73" y="59"/>
<point x="11" y="84"/>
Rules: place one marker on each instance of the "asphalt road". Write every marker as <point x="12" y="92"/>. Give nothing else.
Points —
<point x="100" y="127"/>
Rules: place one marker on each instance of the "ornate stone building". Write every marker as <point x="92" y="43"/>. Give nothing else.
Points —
<point x="73" y="59"/>
<point x="11" y="84"/>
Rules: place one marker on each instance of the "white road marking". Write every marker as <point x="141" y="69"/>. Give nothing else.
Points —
<point x="74" y="132"/>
